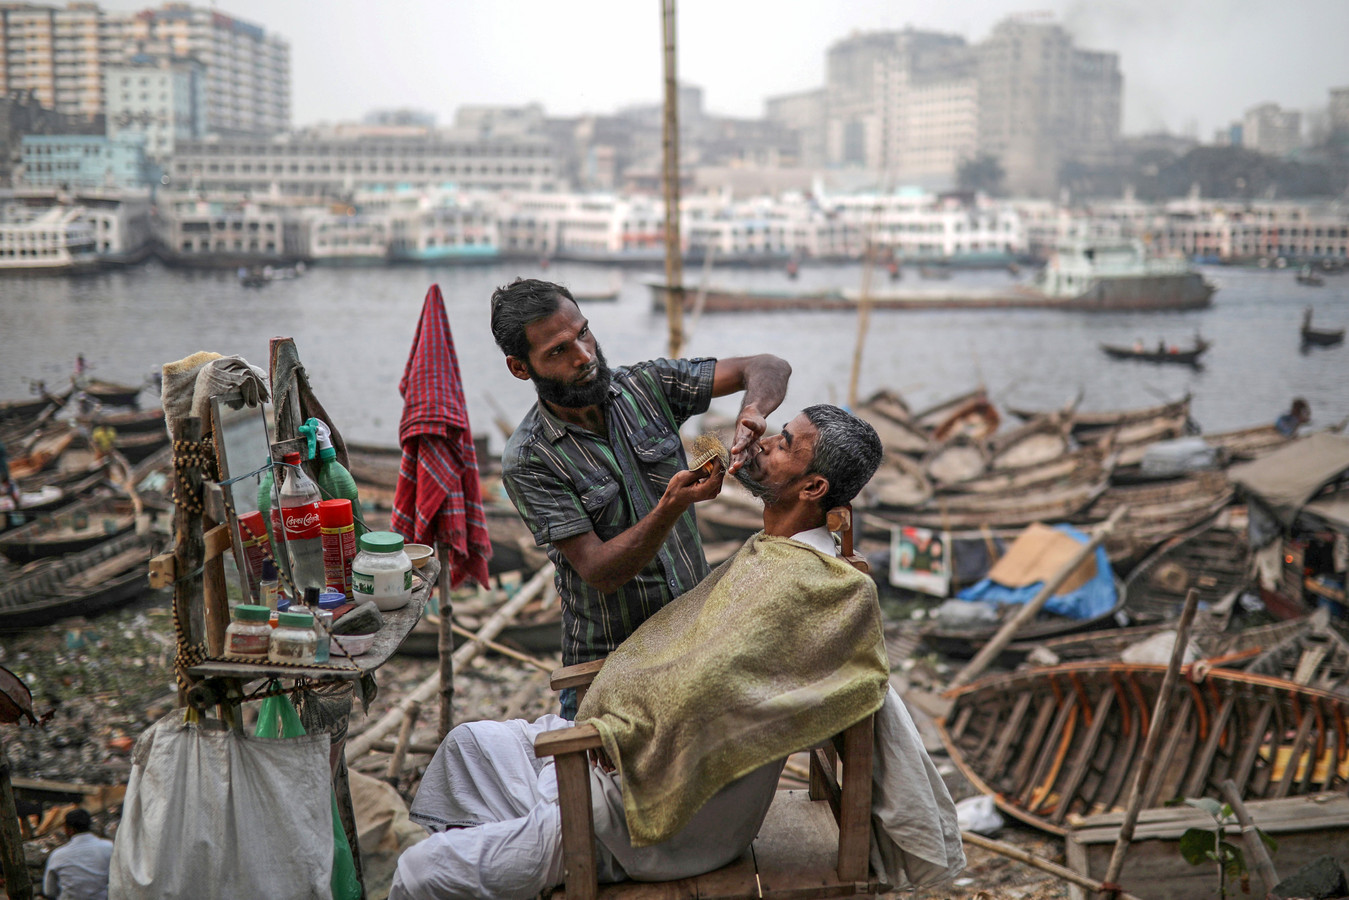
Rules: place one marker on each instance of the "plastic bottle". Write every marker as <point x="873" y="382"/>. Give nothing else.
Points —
<point x="339" y="543"/>
<point x="381" y="571"/>
<point x="269" y="586"/>
<point x="292" y="640"/>
<point x="248" y="633"/>
<point x="298" y="500"/>
<point x="334" y="481"/>
<point x="265" y="500"/>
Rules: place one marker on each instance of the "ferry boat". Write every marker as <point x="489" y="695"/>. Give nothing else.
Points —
<point x="53" y="240"/>
<point x="1119" y="275"/>
<point x="1082" y="276"/>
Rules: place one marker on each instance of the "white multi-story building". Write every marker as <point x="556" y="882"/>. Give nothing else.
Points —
<point x="63" y="56"/>
<point x="161" y="98"/>
<point x="338" y="164"/>
<point x="919" y="225"/>
<point x="1268" y="128"/>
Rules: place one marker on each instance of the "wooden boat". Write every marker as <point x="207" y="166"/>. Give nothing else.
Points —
<point x="897" y="435"/>
<point x="1157" y="511"/>
<point x="81" y="584"/>
<point x="1305" y="828"/>
<point x="956" y="459"/>
<point x="1321" y="337"/>
<point x="1076" y="464"/>
<point x="109" y="393"/>
<point x="976" y="418"/>
<point x="1065" y="740"/>
<point x="1043" y="439"/>
<point x="937" y="415"/>
<point x="1245" y="444"/>
<point x="42" y="454"/>
<point x="899" y="482"/>
<point x="139" y="446"/>
<point x="1238" y="649"/>
<point x="1086" y="422"/>
<point x="950" y="511"/>
<point x="129" y="422"/>
<point x="77" y="527"/>
<point x="23" y="409"/>
<point x="1306" y="276"/>
<point x="1314" y="654"/>
<point x="1130" y="440"/>
<point x="1186" y="357"/>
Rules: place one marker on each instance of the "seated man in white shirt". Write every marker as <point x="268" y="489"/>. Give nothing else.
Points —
<point x="493" y="805"/>
<point x="78" y="870"/>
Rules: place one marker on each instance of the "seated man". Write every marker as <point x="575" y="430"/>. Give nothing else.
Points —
<point x="776" y="650"/>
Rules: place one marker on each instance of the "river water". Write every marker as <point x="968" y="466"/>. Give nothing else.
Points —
<point x="354" y="328"/>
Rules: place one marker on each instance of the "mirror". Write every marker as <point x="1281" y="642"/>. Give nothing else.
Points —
<point x="241" y="447"/>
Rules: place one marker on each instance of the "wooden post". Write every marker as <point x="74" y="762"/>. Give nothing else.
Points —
<point x="445" y="643"/>
<point x="1007" y="632"/>
<point x="189" y="553"/>
<point x="17" y="885"/>
<point x="1145" y="763"/>
<point x="674" y="251"/>
<point x="1255" y="848"/>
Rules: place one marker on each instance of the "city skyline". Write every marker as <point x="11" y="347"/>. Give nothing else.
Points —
<point x="1189" y="67"/>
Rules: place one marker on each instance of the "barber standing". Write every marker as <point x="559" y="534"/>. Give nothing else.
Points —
<point x="597" y="470"/>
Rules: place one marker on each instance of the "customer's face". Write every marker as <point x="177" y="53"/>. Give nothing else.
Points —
<point x="783" y="461"/>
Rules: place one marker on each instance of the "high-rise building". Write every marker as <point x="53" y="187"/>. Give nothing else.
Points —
<point x="1338" y="113"/>
<point x="63" y="56"/>
<point x="803" y="114"/>
<point x="162" y="98"/>
<point x="1268" y="128"/>
<point x="1043" y="102"/>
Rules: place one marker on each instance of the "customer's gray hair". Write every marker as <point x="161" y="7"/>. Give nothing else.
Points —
<point x="847" y="452"/>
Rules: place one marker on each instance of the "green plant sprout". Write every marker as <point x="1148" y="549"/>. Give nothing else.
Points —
<point x="1200" y="846"/>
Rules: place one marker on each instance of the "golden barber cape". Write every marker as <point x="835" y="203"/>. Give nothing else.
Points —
<point x="777" y="649"/>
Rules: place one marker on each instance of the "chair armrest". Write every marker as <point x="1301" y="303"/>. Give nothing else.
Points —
<point x="567" y="740"/>
<point x="575" y="676"/>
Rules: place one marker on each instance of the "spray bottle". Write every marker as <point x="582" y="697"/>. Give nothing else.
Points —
<point x="334" y="481"/>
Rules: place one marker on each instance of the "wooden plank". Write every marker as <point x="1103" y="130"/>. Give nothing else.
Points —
<point x="962" y="721"/>
<point x="1195" y="787"/>
<point x="578" y="831"/>
<point x="1179" y="727"/>
<point x="1037" y="732"/>
<point x="855" y="818"/>
<point x="1250" y="744"/>
<point x="216" y="541"/>
<point x="215" y="599"/>
<point x="574" y="676"/>
<point x="1008" y="732"/>
<point x="1304" y="730"/>
<point x="1084" y="755"/>
<point x="567" y="740"/>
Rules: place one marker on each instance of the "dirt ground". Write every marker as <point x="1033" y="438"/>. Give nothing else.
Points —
<point x="107" y="680"/>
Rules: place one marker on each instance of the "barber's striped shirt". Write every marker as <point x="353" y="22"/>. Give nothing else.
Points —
<point x="566" y="481"/>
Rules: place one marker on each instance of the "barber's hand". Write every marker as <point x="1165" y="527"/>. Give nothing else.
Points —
<point x="689" y="487"/>
<point x="748" y="429"/>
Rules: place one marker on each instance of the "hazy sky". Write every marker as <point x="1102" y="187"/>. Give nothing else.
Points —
<point x="1189" y="65"/>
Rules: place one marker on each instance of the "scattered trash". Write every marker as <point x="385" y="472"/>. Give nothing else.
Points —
<point x="980" y="815"/>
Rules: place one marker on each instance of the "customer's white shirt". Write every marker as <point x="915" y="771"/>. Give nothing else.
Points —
<point x="79" y="870"/>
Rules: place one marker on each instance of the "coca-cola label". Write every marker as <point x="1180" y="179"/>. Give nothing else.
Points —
<point x="301" y="522"/>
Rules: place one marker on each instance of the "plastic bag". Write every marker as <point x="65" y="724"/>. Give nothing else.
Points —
<point x="979" y="814"/>
<point x="213" y="814"/>
<point x="277" y="718"/>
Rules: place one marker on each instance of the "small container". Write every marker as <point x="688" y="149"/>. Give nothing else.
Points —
<point x="269" y="586"/>
<point x="293" y="639"/>
<point x="338" y="530"/>
<point x="249" y="633"/>
<point x="323" y="629"/>
<point x="381" y="571"/>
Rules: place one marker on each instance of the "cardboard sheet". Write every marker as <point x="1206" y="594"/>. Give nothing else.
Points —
<point x="1037" y="555"/>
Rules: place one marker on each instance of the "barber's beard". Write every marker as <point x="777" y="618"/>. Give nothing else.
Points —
<point x="767" y="494"/>
<point x="570" y="395"/>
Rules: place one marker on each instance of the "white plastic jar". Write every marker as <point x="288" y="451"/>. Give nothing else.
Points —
<point x="381" y="571"/>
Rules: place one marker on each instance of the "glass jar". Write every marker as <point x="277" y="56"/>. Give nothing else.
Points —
<point x="293" y="639"/>
<point x="249" y="633"/>
<point x="381" y="571"/>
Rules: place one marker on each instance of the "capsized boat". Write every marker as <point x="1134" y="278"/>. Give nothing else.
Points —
<point x="1065" y="740"/>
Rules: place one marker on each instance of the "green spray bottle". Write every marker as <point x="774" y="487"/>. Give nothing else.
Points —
<point x="333" y="479"/>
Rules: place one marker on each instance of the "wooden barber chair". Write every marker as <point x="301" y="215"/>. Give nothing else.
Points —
<point x="812" y="843"/>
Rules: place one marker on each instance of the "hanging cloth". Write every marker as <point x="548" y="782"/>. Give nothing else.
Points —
<point x="438" y="498"/>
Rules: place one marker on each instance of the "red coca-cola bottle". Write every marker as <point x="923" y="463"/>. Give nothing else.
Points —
<point x="299" y="504"/>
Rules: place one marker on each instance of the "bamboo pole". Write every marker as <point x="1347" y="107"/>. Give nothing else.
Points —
<point x="1255" y="848"/>
<point x="189" y="552"/>
<point x="400" y="750"/>
<point x="1007" y="632"/>
<point x="365" y="741"/>
<point x="674" y="253"/>
<point x="1031" y="859"/>
<point x="1144" y="772"/>
<point x="516" y="655"/>
<point x="863" y="322"/>
<point x="445" y="643"/>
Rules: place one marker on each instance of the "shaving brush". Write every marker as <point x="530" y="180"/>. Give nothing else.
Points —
<point x="707" y="451"/>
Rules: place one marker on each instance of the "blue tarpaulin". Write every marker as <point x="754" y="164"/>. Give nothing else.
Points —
<point x="1092" y="599"/>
